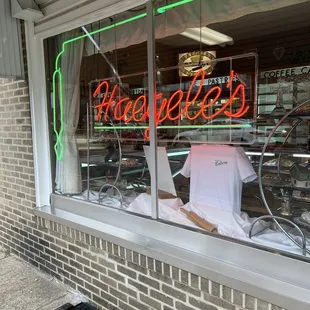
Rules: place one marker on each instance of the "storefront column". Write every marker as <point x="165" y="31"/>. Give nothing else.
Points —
<point x="150" y="21"/>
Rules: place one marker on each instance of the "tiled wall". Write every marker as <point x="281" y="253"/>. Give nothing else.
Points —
<point x="111" y="276"/>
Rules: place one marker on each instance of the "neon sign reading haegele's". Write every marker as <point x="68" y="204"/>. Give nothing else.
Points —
<point x="128" y="110"/>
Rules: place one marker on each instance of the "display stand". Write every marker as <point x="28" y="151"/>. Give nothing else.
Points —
<point x="286" y="189"/>
<point x="264" y="217"/>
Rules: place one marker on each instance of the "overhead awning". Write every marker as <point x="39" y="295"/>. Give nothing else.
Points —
<point x="11" y="56"/>
<point x="195" y="14"/>
<point x="64" y="15"/>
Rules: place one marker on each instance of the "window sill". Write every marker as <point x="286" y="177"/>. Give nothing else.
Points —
<point x="264" y="274"/>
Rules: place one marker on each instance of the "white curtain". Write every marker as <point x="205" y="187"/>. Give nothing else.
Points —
<point x="68" y="169"/>
<point x="172" y="22"/>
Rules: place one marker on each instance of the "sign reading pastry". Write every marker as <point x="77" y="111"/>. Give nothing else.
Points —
<point x="221" y="80"/>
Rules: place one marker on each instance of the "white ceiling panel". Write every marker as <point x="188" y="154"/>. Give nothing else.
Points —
<point x="64" y="15"/>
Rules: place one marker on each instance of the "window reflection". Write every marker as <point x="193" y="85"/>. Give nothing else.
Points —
<point x="220" y="91"/>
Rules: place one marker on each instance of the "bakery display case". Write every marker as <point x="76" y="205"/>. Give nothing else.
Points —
<point x="275" y="97"/>
<point x="280" y="91"/>
<point x="287" y="174"/>
<point x="283" y="130"/>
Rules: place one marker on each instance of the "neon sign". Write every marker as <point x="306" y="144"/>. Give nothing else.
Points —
<point x="128" y="110"/>
<point x="58" y="79"/>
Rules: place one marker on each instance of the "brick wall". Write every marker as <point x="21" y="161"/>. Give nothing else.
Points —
<point x="111" y="276"/>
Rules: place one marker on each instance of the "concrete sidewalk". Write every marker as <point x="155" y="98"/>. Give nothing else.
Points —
<point x="23" y="287"/>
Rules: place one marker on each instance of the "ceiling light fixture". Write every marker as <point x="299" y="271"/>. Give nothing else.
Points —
<point x="259" y="154"/>
<point x="207" y="36"/>
<point x="301" y="155"/>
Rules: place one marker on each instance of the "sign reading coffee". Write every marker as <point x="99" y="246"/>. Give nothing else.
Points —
<point x="285" y="72"/>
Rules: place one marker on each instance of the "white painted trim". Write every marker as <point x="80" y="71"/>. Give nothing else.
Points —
<point x="39" y="116"/>
<point x="89" y="13"/>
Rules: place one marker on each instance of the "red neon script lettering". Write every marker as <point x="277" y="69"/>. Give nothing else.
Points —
<point x="128" y="110"/>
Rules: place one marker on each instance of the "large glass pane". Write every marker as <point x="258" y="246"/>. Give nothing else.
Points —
<point x="99" y="110"/>
<point x="223" y="83"/>
<point x="225" y="77"/>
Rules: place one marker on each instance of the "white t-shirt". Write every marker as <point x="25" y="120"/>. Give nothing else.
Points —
<point x="217" y="173"/>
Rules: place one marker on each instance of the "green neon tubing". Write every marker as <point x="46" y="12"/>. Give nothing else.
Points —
<point x="173" y="127"/>
<point x="57" y="75"/>
<point x="58" y="147"/>
<point x="172" y="5"/>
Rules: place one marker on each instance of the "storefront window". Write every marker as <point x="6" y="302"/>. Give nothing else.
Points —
<point x="224" y="82"/>
<point x="100" y="110"/>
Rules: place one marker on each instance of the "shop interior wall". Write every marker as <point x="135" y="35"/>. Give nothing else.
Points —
<point x="133" y="59"/>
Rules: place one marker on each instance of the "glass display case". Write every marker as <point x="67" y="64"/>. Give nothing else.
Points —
<point x="279" y="91"/>
<point x="287" y="176"/>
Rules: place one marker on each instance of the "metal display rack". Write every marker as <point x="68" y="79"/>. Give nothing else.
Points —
<point x="286" y="189"/>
